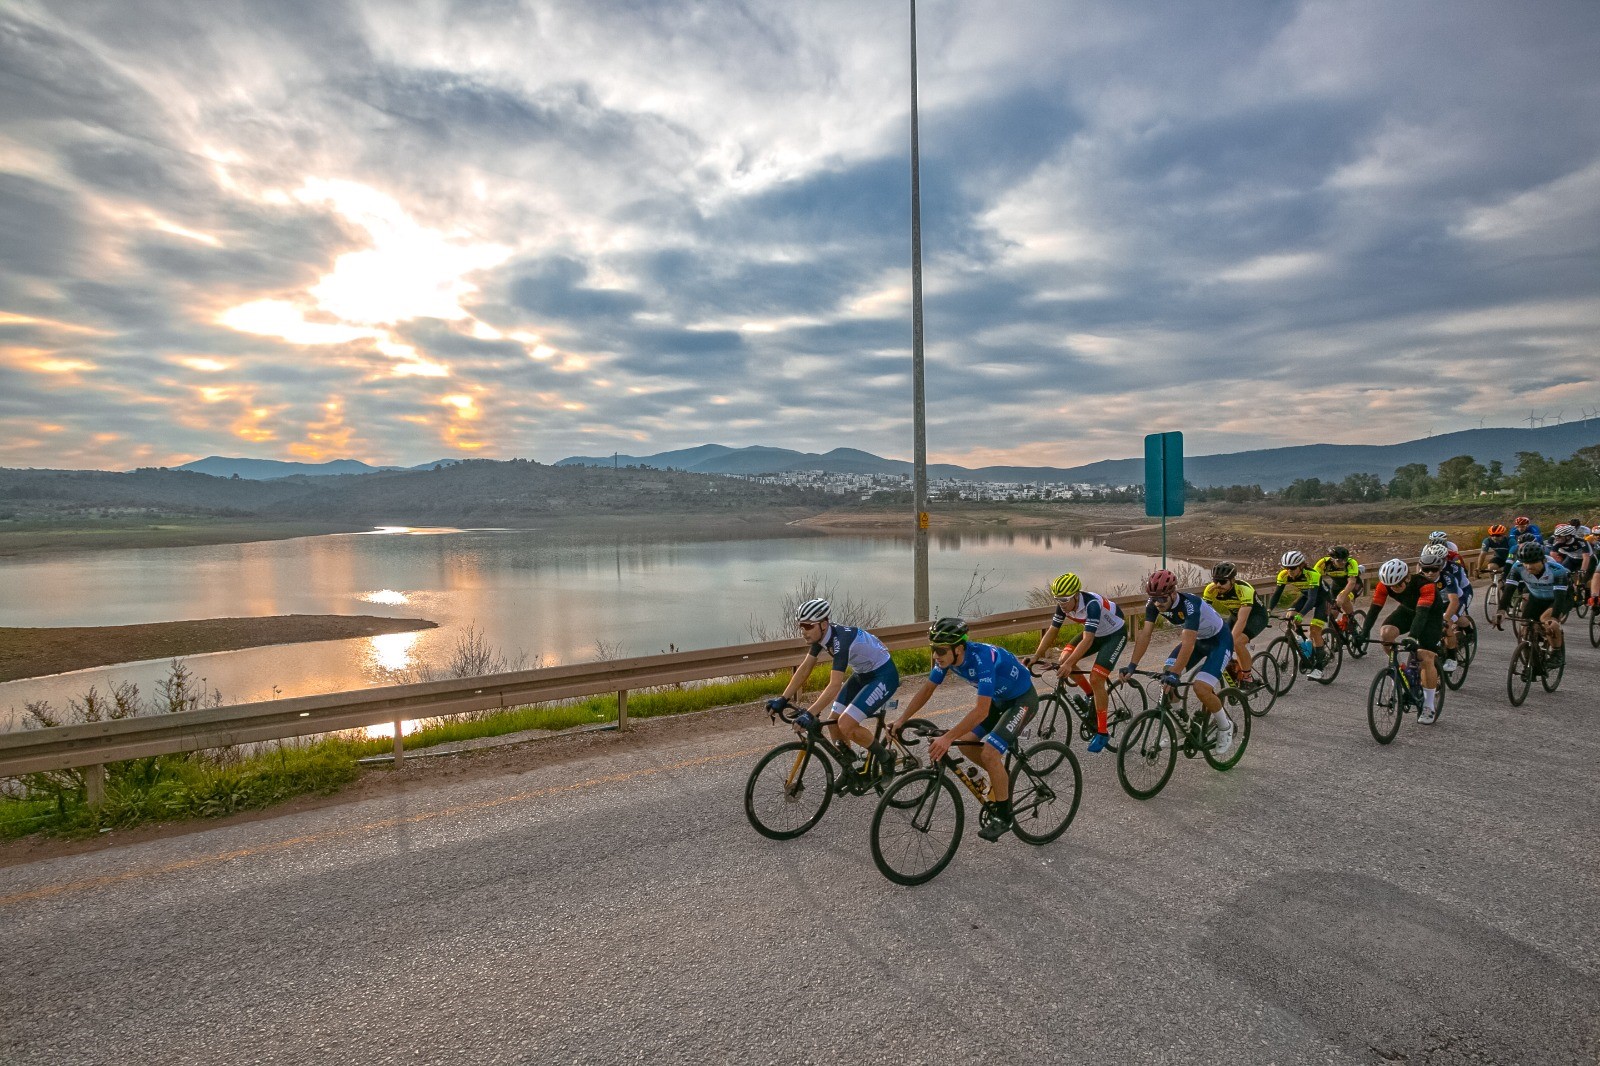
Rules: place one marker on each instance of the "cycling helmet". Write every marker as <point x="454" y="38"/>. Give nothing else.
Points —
<point x="1224" y="572"/>
<point x="1527" y="538"/>
<point x="1530" y="553"/>
<point x="1433" y="555"/>
<point x="1393" y="572"/>
<point x="1161" y="584"/>
<point x="1497" y="531"/>
<point x="1565" y="531"/>
<point x="948" y="631"/>
<point x="812" y="611"/>
<point x="1066" y="585"/>
<point x="1339" y="552"/>
<point x="1438" y="536"/>
<point x="1291" y="560"/>
<point x="1520" y="520"/>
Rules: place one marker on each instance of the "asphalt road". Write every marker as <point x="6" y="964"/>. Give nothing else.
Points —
<point x="1327" y="901"/>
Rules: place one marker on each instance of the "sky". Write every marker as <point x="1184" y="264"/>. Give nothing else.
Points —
<point x="398" y="232"/>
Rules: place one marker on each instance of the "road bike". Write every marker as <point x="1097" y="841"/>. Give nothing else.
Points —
<point x="791" y="786"/>
<point x="1493" y="593"/>
<point x="917" y="826"/>
<point x="1396" y="690"/>
<point x="1151" y="744"/>
<point x="1594" y="627"/>
<point x="1462" y="654"/>
<point x="1532" y="659"/>
<point x="1059" y="707"/>
<point x="1293" y="654"/>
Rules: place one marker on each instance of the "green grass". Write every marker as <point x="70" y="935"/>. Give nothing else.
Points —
<point x="202" y="785"/>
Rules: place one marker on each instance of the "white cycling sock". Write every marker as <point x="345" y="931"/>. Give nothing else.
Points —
<point x="1428" y="695"/>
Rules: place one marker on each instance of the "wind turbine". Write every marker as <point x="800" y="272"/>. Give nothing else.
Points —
<point x="1559" y="414"/>
<point x="1532" y="418"/>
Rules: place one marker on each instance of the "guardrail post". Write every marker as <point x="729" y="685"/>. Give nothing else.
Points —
<point x="94" y="784"/>
<point x="399" y="745"/>
<point x="622" y="709"/>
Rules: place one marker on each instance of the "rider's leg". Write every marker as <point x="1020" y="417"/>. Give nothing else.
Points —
<point x="994" y="764"/>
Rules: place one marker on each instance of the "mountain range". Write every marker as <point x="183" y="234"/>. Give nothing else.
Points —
<point x="268" y="469"/>
<point x="1271" y="468"/>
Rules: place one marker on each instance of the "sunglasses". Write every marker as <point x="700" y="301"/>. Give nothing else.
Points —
<point x="1430" y="569"/>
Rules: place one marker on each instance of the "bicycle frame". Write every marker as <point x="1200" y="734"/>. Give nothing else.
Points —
<point x="815" y="737"/>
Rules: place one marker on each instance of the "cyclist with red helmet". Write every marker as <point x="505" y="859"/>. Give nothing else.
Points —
<point x="1522" y="526"/>
<point x="1205" y="636"/>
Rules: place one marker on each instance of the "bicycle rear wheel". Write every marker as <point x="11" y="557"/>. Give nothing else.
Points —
<point x="788" y="791"/>
<point x="1149" y="751"/>
<point x="1333" y="647"/>
<point x="1264" y="693"/>
<point x="1286" y="654"/>
<point x="917" y="827"/>
<point x="1594" y="629"/>
<point x="1383" y="706"/>
<point x="1550" y="676"/>
<point x="1519" y="676"/>
<point x="1043" y="803"/>
<point x="1237" y="708"/>
<point x="1457" y="678"/>
<point x="1352" y="636"/>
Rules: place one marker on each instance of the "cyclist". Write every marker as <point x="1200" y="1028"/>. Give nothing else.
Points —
<point x="1006" y="703"/>
<point x="1341" y="578"/>
<point x="1496" y="548"/>
<point x="1439" y="536"/>
<point x="1569" y="548"/>
<point x="1420" y="612"/>
<point x="1236" y="601"/>
<point x="1308" y="580"/>
<point x="1522" y="527"/>
<point x="1204" y="636"/>
<point x="849" y="703"/>
<point x="1457" y="588"/>
<point x="1104" y="636"/>
<point x="1545" y="586"/>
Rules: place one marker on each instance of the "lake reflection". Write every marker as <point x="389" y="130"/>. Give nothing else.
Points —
<point x="530" y="594"/>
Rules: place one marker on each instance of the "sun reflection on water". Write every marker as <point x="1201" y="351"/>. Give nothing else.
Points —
<point x="385" y="596"/>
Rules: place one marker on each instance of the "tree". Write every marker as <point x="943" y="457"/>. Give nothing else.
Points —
<point x="1361" y="487"/>
<point x="1462" y="476"/>
<point x="1411" y="481"/>
<point x="1306" y="488"/>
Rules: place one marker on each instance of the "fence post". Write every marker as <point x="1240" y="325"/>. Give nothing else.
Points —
<point x="622" y="709"/>
<point x="94" y="784"/>
<point x="399" y="745"/>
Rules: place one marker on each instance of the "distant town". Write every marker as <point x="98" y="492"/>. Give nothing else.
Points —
<point x="893" y="487"/>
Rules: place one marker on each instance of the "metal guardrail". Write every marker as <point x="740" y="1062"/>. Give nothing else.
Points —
<point x="90" y="746"/>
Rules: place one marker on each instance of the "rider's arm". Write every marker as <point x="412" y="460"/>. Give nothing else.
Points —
<point x="1140" y="643"/>
<point x="1380" y="596"/>
<point x="824" y="699"/>
<point x="797" y="683"/>
<point x="1047" y="639"/>
<point x="980" y="711"/>
<point x="1419" y="617"/>
<point x="923" y="695"/>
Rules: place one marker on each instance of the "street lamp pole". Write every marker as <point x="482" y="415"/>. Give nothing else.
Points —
<point x="919" y="476"/>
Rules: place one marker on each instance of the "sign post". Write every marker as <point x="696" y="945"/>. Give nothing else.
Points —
<point x="1163" y="480"/>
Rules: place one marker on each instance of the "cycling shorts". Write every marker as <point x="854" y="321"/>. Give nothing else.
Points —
<point x="1213" y="654"/>
<point x="1529" y="608"/>
<point x="1432" y="634"/>
<point x="1106" y="650"/>
<point x="1313" y="603"/>
<point x="1256" y="623"/>
<point x="1006" y="719"/>
<point x="865" y="695"/>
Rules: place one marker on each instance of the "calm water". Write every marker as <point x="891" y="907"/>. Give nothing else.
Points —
<point x="527" y="593"/>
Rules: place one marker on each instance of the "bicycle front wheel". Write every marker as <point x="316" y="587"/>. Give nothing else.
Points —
<point x="1148" y="753"/>
<point x="1054" y="717"/>
<point x="1333" y="649"/>
<point x="1237" y="708"/>
<point x="1519" y="676"/>
<point x="1044" y="802"/>
<point x="1491" y="601"/>
<point x="1352" y="636"/>
<point x="789" y="791"/>
<point x="1265" y="692"/>
<point x="1383" y="706"/>
<point x="1550" y="676"/>
<point x="1286" y="653"/>
<point x="917" y="827"/>
<point x="1594" y="629"/>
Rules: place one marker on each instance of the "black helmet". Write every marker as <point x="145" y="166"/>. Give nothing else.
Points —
<point x="1530" y="553"/>
<point x="1338" y="552"/>
<point x="1223" y="572"/>
<point x="948" y="631"/>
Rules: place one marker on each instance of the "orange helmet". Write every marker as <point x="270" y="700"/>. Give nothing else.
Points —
<point x="1497" y="531"/>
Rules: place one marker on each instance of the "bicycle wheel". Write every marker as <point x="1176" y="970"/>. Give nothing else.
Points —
<point x="1470" y="643"/>
<point x="1550" y="676"/>
<point x="1454" y="680"/>
<point x="917" y="827"/>
<point x="1519" y="675"/>
<point x="1265" y="691"/>
<point x="1044" y="802"/>
<point x="788" y="791"/>
<point x="1054" y="717"/>
<point x="1286" y="654"/>
<point x="1383" y="706"/>
<point x="1581" y="608"/>
<point x="1594" y="629"/>
<point x="1148" y="754"/>
<point x="1352" y="636"/>
<point x="1237" y="708"/>
<point x="1491" y="601"/>
<point x="1334" y="649"/>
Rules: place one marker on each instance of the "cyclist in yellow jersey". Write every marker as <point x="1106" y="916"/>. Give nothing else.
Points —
<point x="1236" y="601"/>
<point x="1341" y="577"/>
<point x="1307" y="581"/>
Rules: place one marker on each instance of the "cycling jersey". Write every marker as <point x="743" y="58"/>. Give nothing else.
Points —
<point x="1573" y="555"/>
<point x="1097" y="615"/>
<point x="1310" y="577"/>
<point x="1243" y="597"/>
<point x="1497" y="548"/>
<point x="1532" y="529"/>
<point x="1546" y="586"/>
<point x="1420" y="611"/>
<point x="1335" y="574"/>
<point x="1453" y="579"/>
<point x="1190" y="612"/>
<point x="993" y="671"/>
<point x="851" y="647"/>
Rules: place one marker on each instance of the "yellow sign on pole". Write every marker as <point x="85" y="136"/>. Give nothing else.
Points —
<point x="922" y="519"/>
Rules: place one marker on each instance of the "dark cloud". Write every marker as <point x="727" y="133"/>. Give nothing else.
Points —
<point x="553" y="288"/>
<point x="41" y="228"/>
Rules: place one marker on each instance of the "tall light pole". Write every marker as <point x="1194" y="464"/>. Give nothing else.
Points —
<point x="919" y="418"/>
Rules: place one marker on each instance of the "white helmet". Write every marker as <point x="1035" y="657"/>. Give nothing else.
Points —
<point x="1291" y="560"/>
<point x="1438" y="536"/>
<point x="1393" y="572"/>
<point x="812" y="611"/>
<point x="1433" y="555"/>
<point x="1565" y="531"/>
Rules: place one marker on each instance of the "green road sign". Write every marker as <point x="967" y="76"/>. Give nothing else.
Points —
<point x="1163" y="474"/>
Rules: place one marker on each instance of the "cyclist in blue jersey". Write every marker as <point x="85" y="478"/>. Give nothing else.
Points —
<point x="1569" y="548"/>
<point x="1006" y="703"/>
<point x="849" y="702"/>
<point x="1521" y="527"/>
<point x="1205" y="635"/>
<point x="1497" y="548"/>
<point x="1545" y="586"/>
<point x="1104" y="636"/>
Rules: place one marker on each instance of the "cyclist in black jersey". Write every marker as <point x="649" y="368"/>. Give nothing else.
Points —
<point x="1420" y="612"/>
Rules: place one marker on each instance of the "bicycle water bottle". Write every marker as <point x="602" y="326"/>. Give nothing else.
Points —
<point x="1306" y="650"/>
<point x="1414" y="674"/>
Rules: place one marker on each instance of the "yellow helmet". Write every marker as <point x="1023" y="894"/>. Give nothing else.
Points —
<point x="1066" y="585"/>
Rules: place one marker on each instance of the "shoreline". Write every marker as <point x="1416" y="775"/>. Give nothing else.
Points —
<point x="29" y="653"/>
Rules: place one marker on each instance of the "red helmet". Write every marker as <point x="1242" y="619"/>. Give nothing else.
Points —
<point x="1520" y="520"/>
<point x="1161" y="584"/>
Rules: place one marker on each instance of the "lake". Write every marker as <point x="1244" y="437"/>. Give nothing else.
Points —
<point x="526" y="592"/>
